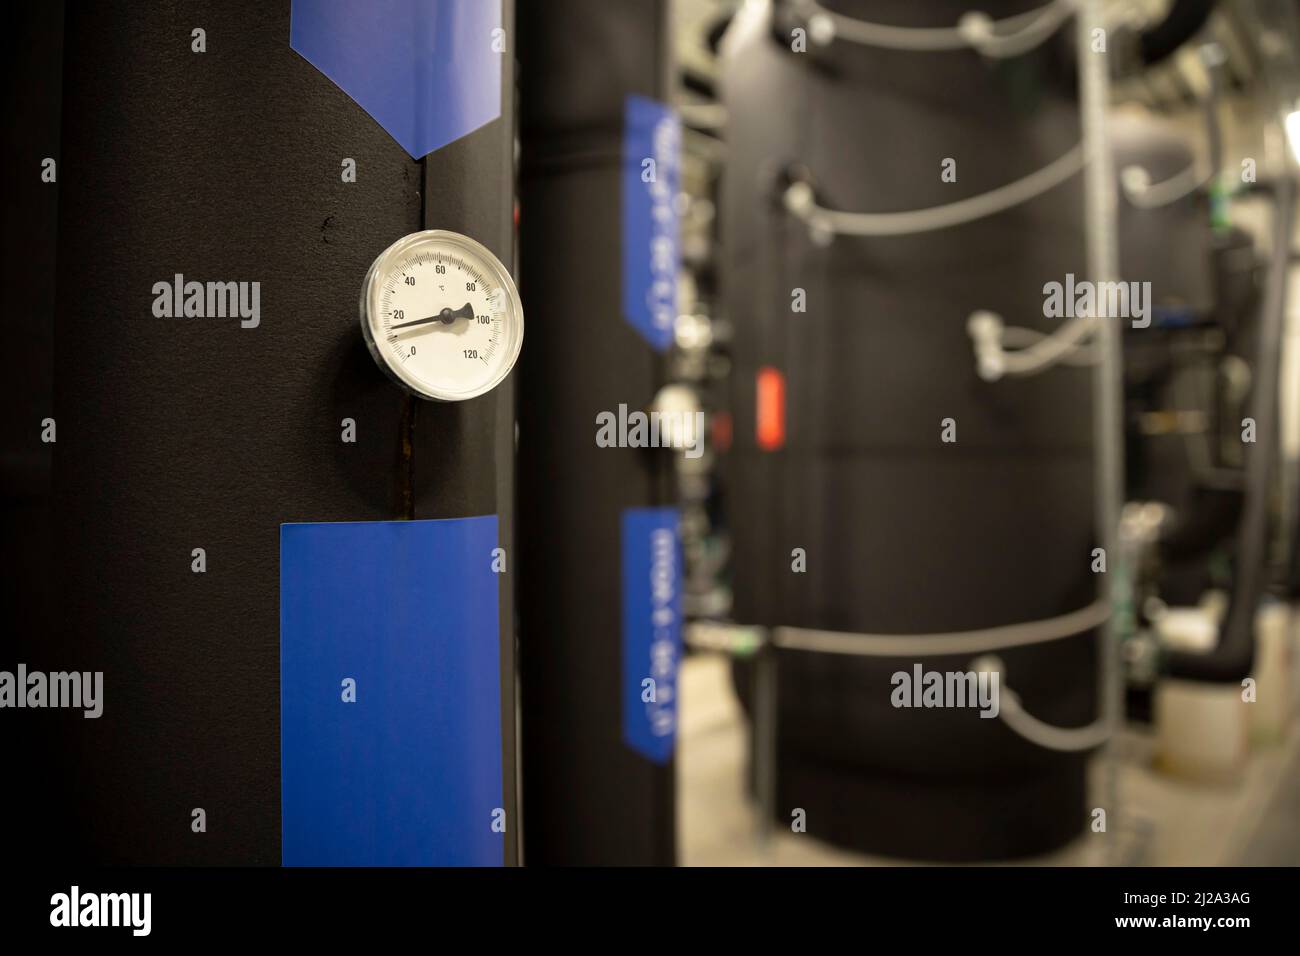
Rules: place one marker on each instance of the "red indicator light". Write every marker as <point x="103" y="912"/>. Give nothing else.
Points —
<point x="771" y="408"/>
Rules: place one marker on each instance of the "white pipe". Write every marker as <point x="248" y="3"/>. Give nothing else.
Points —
<point x="1009" y="37"/>
<point x="801" y="202"/>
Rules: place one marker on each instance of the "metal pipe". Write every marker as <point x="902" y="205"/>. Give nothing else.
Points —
<point x="1100" y="215"/>
<point x="1232" y="658"/>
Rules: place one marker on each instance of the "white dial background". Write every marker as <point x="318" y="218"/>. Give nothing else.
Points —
<point x="443" y="315"/>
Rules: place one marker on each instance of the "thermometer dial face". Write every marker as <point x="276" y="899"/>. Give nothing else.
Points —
<point x="441" y="316"/>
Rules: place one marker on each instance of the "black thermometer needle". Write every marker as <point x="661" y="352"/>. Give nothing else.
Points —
<point x="446" y="317"/>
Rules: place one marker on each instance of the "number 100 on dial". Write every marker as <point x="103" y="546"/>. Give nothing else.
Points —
<point x="441" y="316"/>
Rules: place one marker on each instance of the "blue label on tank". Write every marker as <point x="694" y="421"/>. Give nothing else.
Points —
<point x="427" y="71"/>
<point x="390" y="694"/>
<point x="652" y="629"/>
<point x="652" y="138"/>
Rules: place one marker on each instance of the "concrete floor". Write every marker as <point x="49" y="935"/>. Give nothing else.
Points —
<point x="1253" y="821"/>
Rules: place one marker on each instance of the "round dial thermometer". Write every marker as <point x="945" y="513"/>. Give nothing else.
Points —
<point x="441" y="315"/>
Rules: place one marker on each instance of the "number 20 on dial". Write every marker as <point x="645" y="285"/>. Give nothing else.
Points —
<point x="441" y="316"/>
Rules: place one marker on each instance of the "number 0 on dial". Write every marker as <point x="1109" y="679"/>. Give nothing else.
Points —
<point x="441" y="316"/>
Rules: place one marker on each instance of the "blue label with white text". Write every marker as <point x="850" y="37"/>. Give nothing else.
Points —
<point x="652" y="137"/>
<point x="652" y="629"/>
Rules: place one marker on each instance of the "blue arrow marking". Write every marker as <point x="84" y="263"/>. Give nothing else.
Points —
<point x="427" y="71"/>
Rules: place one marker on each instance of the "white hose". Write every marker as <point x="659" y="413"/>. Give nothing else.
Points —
<point x="801" y="202"/>
<point x="979" y="642"/>
<point x="1025" y="724"/>
<point x="1022" y="339"/>
<point x="952" y="642"/>
<point x="995" y="38"/>
<point x="1144" y="194"/>
<point x="1032" y="351"/>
